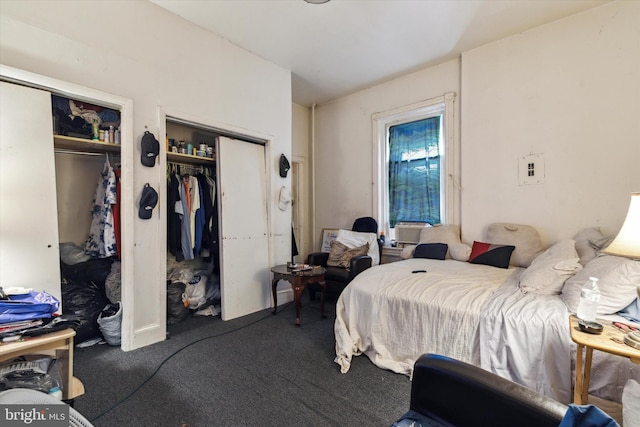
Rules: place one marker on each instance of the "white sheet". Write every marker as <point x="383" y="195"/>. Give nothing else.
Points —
<point x="394" y="316"/>
<point x="472" y="313"/>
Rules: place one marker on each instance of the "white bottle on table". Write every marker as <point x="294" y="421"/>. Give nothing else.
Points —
<point x="589" y="298"/>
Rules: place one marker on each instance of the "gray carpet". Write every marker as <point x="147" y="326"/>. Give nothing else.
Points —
<point x="256" y="370"/>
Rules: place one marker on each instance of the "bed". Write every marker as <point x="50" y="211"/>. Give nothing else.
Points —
<point x="501" y="319"/>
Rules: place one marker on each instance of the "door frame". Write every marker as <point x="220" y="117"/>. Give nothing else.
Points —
<point x="224" y="129"/>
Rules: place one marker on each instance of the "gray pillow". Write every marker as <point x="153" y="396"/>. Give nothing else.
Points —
<point x="583" y="239"/>
<point x="618" y="280"/>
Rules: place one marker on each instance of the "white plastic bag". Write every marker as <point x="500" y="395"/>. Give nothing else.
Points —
<point x="111" y="324"/>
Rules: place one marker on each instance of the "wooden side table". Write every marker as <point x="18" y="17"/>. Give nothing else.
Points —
<point x="58" y="344"/>
<point x="298" y="280"/>
<point x="610" y="341"/>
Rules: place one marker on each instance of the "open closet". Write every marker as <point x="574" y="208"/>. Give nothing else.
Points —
<point x="49" y="177"/>
<point x="230" y="244"/>
<point x="88" y="192"/>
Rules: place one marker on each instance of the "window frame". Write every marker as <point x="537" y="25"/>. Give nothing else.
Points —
<point x="441" y="105"/>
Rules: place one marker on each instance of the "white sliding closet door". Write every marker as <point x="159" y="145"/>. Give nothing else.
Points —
<point x="244" y="254"/>
<point x="29" y="252"/>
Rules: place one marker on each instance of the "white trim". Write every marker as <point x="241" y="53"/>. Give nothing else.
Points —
<point x="380" y="123"/>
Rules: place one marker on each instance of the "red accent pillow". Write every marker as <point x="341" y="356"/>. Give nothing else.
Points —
<point x="491" y="254"/>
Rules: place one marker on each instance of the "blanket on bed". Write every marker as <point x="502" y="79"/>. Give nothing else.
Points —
<point x="473" y="313"/>
<point x="394" y="316"/>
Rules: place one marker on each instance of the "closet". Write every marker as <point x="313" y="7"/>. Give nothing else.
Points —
<point x="44" y="186"/>
<point x="240" y="262"/>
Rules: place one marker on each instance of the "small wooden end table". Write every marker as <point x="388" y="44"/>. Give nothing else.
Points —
<point x="611" y="340"/>
<point x="57" y="344"/>
<point x="298" y="280"/>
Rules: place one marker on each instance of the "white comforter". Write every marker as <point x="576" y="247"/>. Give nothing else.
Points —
<point x="473" y="313"/>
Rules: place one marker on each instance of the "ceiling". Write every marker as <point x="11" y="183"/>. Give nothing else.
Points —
<point x="343" y="46"/>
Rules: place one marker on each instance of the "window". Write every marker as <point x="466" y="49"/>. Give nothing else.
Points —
<point x="414" y="167"/>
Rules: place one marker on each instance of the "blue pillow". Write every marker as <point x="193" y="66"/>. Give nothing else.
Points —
<point x="632" y="311"/>
<point x="431" y="250"/>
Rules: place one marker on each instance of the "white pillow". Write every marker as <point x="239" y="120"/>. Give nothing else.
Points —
<point x="354" y="239"/>
<point x="618" y="280"/>
<point x="631" y="404"/>
<point x="407" y="251"/>
<point x="549" y="270"/>
<point x="460" y="252"/>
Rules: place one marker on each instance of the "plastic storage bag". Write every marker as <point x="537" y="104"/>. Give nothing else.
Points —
<point x="110" y="323"/>
<point x="31" y="305"/>
<point x="176" y="308"/>
<point x="86" y="301"/>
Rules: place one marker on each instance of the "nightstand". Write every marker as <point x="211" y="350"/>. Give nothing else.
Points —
<point x="390" y="254"/>
<point x="610" y="341"/>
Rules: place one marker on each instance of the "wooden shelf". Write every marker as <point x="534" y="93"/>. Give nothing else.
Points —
<point x="84" y="145"/>
<point x="185" y="158"/>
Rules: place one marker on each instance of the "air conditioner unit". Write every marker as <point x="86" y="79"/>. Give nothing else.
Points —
<point x="408" y="233"/>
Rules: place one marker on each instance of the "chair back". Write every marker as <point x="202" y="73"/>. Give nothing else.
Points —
<point x="441" y="386"/>
<point x="365" y="225"/>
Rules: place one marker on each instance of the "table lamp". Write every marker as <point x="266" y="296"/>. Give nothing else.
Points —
<point x="627" y="244"/>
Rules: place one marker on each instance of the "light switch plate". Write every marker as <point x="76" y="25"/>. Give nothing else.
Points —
<point x="531" y="169"/>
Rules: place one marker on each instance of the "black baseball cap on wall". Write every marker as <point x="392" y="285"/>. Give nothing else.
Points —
<point x="150" y="148"/>
<point x="284" y="166"/>
<point x="148" y="201"/>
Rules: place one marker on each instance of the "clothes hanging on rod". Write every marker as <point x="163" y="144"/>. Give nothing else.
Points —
<point x="101" y="242"/>
<point x="191" y="212"/>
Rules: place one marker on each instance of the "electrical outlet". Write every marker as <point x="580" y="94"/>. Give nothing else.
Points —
<point x="531" y="169"/>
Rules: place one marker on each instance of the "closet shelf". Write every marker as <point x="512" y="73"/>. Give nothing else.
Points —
<point x="86" y="145"/>
<point x="186" y="158"/>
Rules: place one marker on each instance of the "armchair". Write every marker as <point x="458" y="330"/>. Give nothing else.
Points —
<point x="338" y="276"/>
<point x="460" y="394"/>
<point x="448" y="392"/>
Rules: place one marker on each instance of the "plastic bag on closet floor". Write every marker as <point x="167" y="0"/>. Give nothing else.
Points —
<point x="176" y="309"/>
<point x="86" y="301"/>
<point x="72" y="254"/>
<point x="110" y="323"/>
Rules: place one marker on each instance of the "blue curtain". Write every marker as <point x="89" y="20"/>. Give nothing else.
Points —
<point x="414" y="171"/>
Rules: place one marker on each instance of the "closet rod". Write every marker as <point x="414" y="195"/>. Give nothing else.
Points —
<point x="79" y="153"/>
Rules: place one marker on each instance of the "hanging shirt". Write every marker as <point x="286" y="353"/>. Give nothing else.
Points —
<point x="174" y="228"/>
<point x="194" y="193"/>
<point x="182" y="208"/>
<point x="116" y="213"/>
<point x="102" y="238"/>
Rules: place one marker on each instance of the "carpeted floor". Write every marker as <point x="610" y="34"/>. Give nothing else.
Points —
<point x="256" y="370"/>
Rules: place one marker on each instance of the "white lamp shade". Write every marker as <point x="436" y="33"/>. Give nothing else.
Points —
<point x="627" y="242"/>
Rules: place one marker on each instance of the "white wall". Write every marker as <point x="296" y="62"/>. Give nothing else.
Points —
<point x="569" y="89"/>
<point x="301" y="152"/>
<point x="137" y="50"/>
<point x="344" y="142"/>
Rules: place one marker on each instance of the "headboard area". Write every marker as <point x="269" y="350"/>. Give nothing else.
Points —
<point x="525" y="238"/>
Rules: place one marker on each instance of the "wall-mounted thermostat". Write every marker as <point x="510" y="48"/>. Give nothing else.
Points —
<point x="531" y="169"/>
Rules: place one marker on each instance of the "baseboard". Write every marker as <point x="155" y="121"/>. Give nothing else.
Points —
<point x="284" y="296"/>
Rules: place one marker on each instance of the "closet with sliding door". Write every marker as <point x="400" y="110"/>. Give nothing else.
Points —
<point x="53" y="181"/>
<point x="217" y="220"/>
